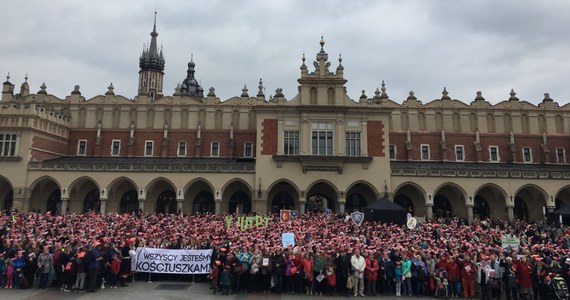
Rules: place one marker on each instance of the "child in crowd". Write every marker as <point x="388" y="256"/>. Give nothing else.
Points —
<point x="115" y="268"/>
<point x="9" y="274"/>
<point x="398" y="277"/>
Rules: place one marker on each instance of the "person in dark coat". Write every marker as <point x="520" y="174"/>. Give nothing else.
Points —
<point x="386" y="272"/>
<point x="342" y="263"/>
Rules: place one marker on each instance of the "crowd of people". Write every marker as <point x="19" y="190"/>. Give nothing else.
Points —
<point x="331" y="254"/>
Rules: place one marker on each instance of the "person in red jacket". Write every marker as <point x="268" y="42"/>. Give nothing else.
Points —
<point x="371" y="274"/>
<point x="454" y="276"/>
<point x="468" y="277"/>
<point x="524" y="275"/>
<point x="115" y="268"/>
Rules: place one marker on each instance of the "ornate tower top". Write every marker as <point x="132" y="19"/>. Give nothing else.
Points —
<point x="150" y="58"/>
<point x="190" y="86"/>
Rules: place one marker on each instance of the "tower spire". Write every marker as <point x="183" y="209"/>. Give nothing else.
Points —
<point x="153" y="45"/>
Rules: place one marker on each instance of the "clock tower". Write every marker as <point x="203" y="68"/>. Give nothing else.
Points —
<point x="151" y="65"/>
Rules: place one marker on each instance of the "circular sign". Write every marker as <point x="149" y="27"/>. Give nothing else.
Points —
<point x="412" y="222"/>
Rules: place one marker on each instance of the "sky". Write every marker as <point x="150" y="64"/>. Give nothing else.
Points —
<point x="417" y="45"/>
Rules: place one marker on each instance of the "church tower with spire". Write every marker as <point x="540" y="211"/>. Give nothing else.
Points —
<point x="151" y="65"/>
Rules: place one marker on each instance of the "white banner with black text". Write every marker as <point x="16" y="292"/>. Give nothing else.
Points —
<point x="154" y="260"/>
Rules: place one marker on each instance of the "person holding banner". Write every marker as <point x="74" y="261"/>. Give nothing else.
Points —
<point x="318" y="269"/>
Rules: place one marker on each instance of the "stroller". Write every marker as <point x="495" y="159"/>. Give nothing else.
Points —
<point x="441" y="284"/>
<point x="559" y="289"/>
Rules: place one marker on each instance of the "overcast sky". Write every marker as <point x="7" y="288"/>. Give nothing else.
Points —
<point x="466" y="46"/>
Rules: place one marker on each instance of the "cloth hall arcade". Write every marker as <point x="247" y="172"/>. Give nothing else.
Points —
<point x="194" y="152"/>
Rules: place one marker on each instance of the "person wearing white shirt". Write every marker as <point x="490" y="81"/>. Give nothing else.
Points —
<point x="358" y="264"/>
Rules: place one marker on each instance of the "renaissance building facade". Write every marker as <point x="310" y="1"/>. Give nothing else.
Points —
<point x="194" y="152"/>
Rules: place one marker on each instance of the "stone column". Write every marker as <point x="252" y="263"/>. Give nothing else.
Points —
<point x="64" y="205"/>
<point x="341" y="203"/>
<point x="302" y="202"/>
<point x="218" y="203"/>
<point x="510" y="212"/>
<point x="103" y="206"/>
<point x="469" y="213"/>
<point x="179" y="203"/>
<point x="141" y="204"/>
<point x="429" y="211"/>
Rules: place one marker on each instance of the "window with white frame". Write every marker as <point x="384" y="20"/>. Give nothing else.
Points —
<point x="248" y="150"/>
<point x="459" y="153"/>
<point x="115" y="147"/>
<point x="8" y="144"/>
<point x="425" y="151"/>
<point x="82" y="147"/>
<point x="215" y="150"/>
<point x="353" y="144"/>
<point x="181" y="148"/>
<point x="494" y="153"/>
<point x="392" y="151"/>
<point x="527" y="154"/>
<point x="322" y="139"/>
<point x="148" y="148"/>
<point x="291" y="142"/>
<point x="560" y="155"/>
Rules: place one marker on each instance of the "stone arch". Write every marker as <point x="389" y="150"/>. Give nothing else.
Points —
<point x="116" y="194"/>
<point x="6" y="194"/>
<point x="322" y="194"/>
<point x="529" y="202"/>
<point x="160" y="196"/>
<point x="237" y="196"/>
<point x="84" y="195"/>
<point x="282" y="194"/>
<point x="45" y="195"/>
<point x="359" y="195"/>
<point x="490" y="200"/>
<point x="410" y="196"/>
<point x="449" y="201"/>
<point x="199" y="197"/>
<point x="563" y="195"/>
